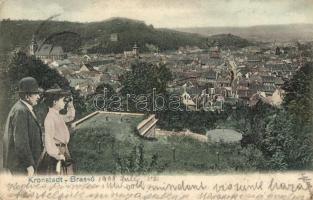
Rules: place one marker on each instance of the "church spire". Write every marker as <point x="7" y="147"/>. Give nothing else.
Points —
<point x="33" y="46"/>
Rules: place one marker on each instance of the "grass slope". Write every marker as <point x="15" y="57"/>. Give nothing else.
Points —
<point x="122" y="151"/>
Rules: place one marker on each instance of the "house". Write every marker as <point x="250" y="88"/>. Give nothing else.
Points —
<point x="50" y="52"/>
<point x="211" y="75"/>
<point x="188" y="102"/>
<point x="189" y="50"/>
<point x="268" y="80"/>
<point x="255" y="78"/>
<point x="253" y="59"/>
<point x="279" y="81"/>
<point x="204" y="101"/>
<point x="59" y="63"/>
<point x="88" y="68"/>
<point x="243" y="82"/>
<point x="223" y="82"/>
<point x="267" y="89"/>
<point x="114" y="37"/>
<point x="85" y="86"/>
<point x="66" y="72"/>
<point x="215" y="52"/>
<point x="213" y="105"/>
<point x="46" y="51"/>
<point x="208" y="78"/>
<point x="87" y="71"/>
<point x="275" y="99"/>
<point x="133" y="53"/>
<point x="244" y="92"/>
<point x="255" y="98"/>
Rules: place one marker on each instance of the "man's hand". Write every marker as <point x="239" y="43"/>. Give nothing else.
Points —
<point x="30" y="171"/>
<point x="58" y="167"/>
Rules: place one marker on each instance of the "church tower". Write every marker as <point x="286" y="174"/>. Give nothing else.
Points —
<point x="135" y="50"/>
<point x="33" y="46"/>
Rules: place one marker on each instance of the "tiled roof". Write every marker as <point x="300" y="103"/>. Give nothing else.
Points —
<point x="48" y="49"/>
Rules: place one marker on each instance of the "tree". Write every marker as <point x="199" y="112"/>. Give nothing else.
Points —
<point x="283" y="146"/>
<point x="144" y="79"/>
<point x="4" y="88"/>
<point x="256" y="119"/>
<point x="21" y="66"/>
<point x="144" y="76"/>
<point x="250" y="158"/>
<point x="299" y="96"/>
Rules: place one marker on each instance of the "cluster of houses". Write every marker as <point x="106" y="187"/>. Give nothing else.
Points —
<point x="204" y="79"/>
<point x="84" y="72"/>
<point x="211" y="80"/>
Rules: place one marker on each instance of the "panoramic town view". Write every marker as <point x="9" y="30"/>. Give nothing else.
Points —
<point x="161" y="100"/>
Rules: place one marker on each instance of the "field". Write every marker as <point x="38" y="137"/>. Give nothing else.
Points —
<point x="108" y="143"/>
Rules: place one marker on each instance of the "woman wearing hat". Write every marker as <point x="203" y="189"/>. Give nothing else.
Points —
<point x="57" y="134"/>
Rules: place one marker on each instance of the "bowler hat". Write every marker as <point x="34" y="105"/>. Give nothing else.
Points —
<point x="55" y="89"/>
<point x="29" y="85"/>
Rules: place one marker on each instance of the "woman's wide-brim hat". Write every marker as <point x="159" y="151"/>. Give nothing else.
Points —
<point x="56" y="90"/>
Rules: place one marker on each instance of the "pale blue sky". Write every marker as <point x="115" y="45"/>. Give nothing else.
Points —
<point x="166" y="13"/>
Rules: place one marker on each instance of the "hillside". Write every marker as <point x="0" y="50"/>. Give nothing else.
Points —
<point x="265" y="33"/>
<point x="96" y="37"/>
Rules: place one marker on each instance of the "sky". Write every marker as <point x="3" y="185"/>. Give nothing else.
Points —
<point x="165" y="13"/>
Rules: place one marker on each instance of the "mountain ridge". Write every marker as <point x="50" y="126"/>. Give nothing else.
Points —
<point x="266" y="33"/>
<point x="97" y="36"/>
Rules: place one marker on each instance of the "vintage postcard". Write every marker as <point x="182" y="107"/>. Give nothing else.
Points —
<point x="176" y="99"/>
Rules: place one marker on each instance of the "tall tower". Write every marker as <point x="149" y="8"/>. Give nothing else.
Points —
<point x="277" y="51"/>
<point x="33" y="46"/>
<point x="135" y="50"/>
<point x="215" y="51"/>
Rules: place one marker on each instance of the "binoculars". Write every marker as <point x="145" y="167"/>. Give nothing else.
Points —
<point x="68" y="99"/>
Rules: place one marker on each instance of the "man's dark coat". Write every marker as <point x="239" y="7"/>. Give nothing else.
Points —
<point x="22" y="143"/>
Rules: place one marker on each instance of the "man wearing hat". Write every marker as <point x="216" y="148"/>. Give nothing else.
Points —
<point x="23" y="136"/>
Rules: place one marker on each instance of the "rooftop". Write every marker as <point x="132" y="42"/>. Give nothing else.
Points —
<point x="48" y="49"/>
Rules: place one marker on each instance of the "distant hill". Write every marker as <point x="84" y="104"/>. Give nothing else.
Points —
<point x="228" y="40"/>
<point x="290" y="32"/>
<point x="111" y="36"/>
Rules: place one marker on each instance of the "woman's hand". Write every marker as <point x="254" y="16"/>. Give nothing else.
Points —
<point x="61" y="157"/>
<point x="70" y="104"/>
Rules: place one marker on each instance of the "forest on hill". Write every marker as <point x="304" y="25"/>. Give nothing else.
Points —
<point x="111" y="36"/>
